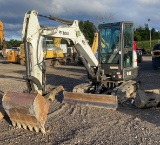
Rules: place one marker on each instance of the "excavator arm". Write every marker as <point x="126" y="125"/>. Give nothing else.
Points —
<point x="29" y="109"/>
<point x="72" y="32"/>
<point x="32" y="36"/>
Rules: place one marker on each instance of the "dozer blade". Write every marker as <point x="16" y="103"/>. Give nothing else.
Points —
<point x="93" y="100"/>
<point x="26" y="110"/>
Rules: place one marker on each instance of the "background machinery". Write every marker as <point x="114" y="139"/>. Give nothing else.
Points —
<point x="16" y="55"/>
<point x="2" y="40"/>
<point x="111" y="75"/>
<point x="21" y="54"/>
<point x="13" y="55"/>
<point x="56" y="52"/>
<point x="53" y="52"/>
<point x="95" y="43"/>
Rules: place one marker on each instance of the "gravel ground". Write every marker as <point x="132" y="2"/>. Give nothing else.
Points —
<point x="78" y="125"/>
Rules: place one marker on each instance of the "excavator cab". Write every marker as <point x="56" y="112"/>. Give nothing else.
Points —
<point x="112" y="81"/>
<point x="116" y="54"/>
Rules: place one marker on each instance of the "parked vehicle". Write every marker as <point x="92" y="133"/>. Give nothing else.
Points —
<point x="139" y="56"/>
<point x="156" y="56"/>
<point x="143" y="50"/>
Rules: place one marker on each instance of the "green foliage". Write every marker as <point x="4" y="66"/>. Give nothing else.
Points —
<point x="146" y="44"/>
<point x="143" y="33"/>
<point x="142" y="36"/>
<point x="88" y="29"/>
<point x="13" y="43"/>
<point x="137" y="36"/>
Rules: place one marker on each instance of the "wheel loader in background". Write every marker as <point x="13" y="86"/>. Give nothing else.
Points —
<point x="16" y="55"/>
<point x="111" y="75"/>
<point x="52" y="51"/>
<point x="13" y="55"/>
<point x="57" y="53"/>
<point x="2" y="40"/>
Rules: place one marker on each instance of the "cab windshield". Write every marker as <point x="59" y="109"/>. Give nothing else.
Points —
<point x="110" y="45"/>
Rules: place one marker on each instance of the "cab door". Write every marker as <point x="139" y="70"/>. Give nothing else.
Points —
<point x="127" y="45"/>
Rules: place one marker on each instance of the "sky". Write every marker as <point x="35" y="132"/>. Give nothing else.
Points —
<point x="97" y="11"/>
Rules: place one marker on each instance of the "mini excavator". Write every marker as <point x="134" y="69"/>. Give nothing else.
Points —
<point x="112" y="75"/>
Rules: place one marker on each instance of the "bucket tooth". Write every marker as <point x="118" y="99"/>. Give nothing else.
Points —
<point x="30" y="128"/>
<point x="43" y="130"/>
<point x="19" y="125"/>
<point x="36" y="129"/>
<point x="13" y="123"/>
<point x="24" y="126"/>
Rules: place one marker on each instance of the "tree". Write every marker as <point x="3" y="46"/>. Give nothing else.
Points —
<point x="88" y="29"/>
<point x="142" y="33"/>
<point x="137" y="36"/>
<point x="13" y="43"/>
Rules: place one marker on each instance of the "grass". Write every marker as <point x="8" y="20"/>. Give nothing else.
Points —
<point x="146" y="44"/>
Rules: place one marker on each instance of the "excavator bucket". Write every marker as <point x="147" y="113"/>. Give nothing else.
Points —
<point x="147" y="98"/>
<point x="93" y="100"/>
<point x="26" y="110"/>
